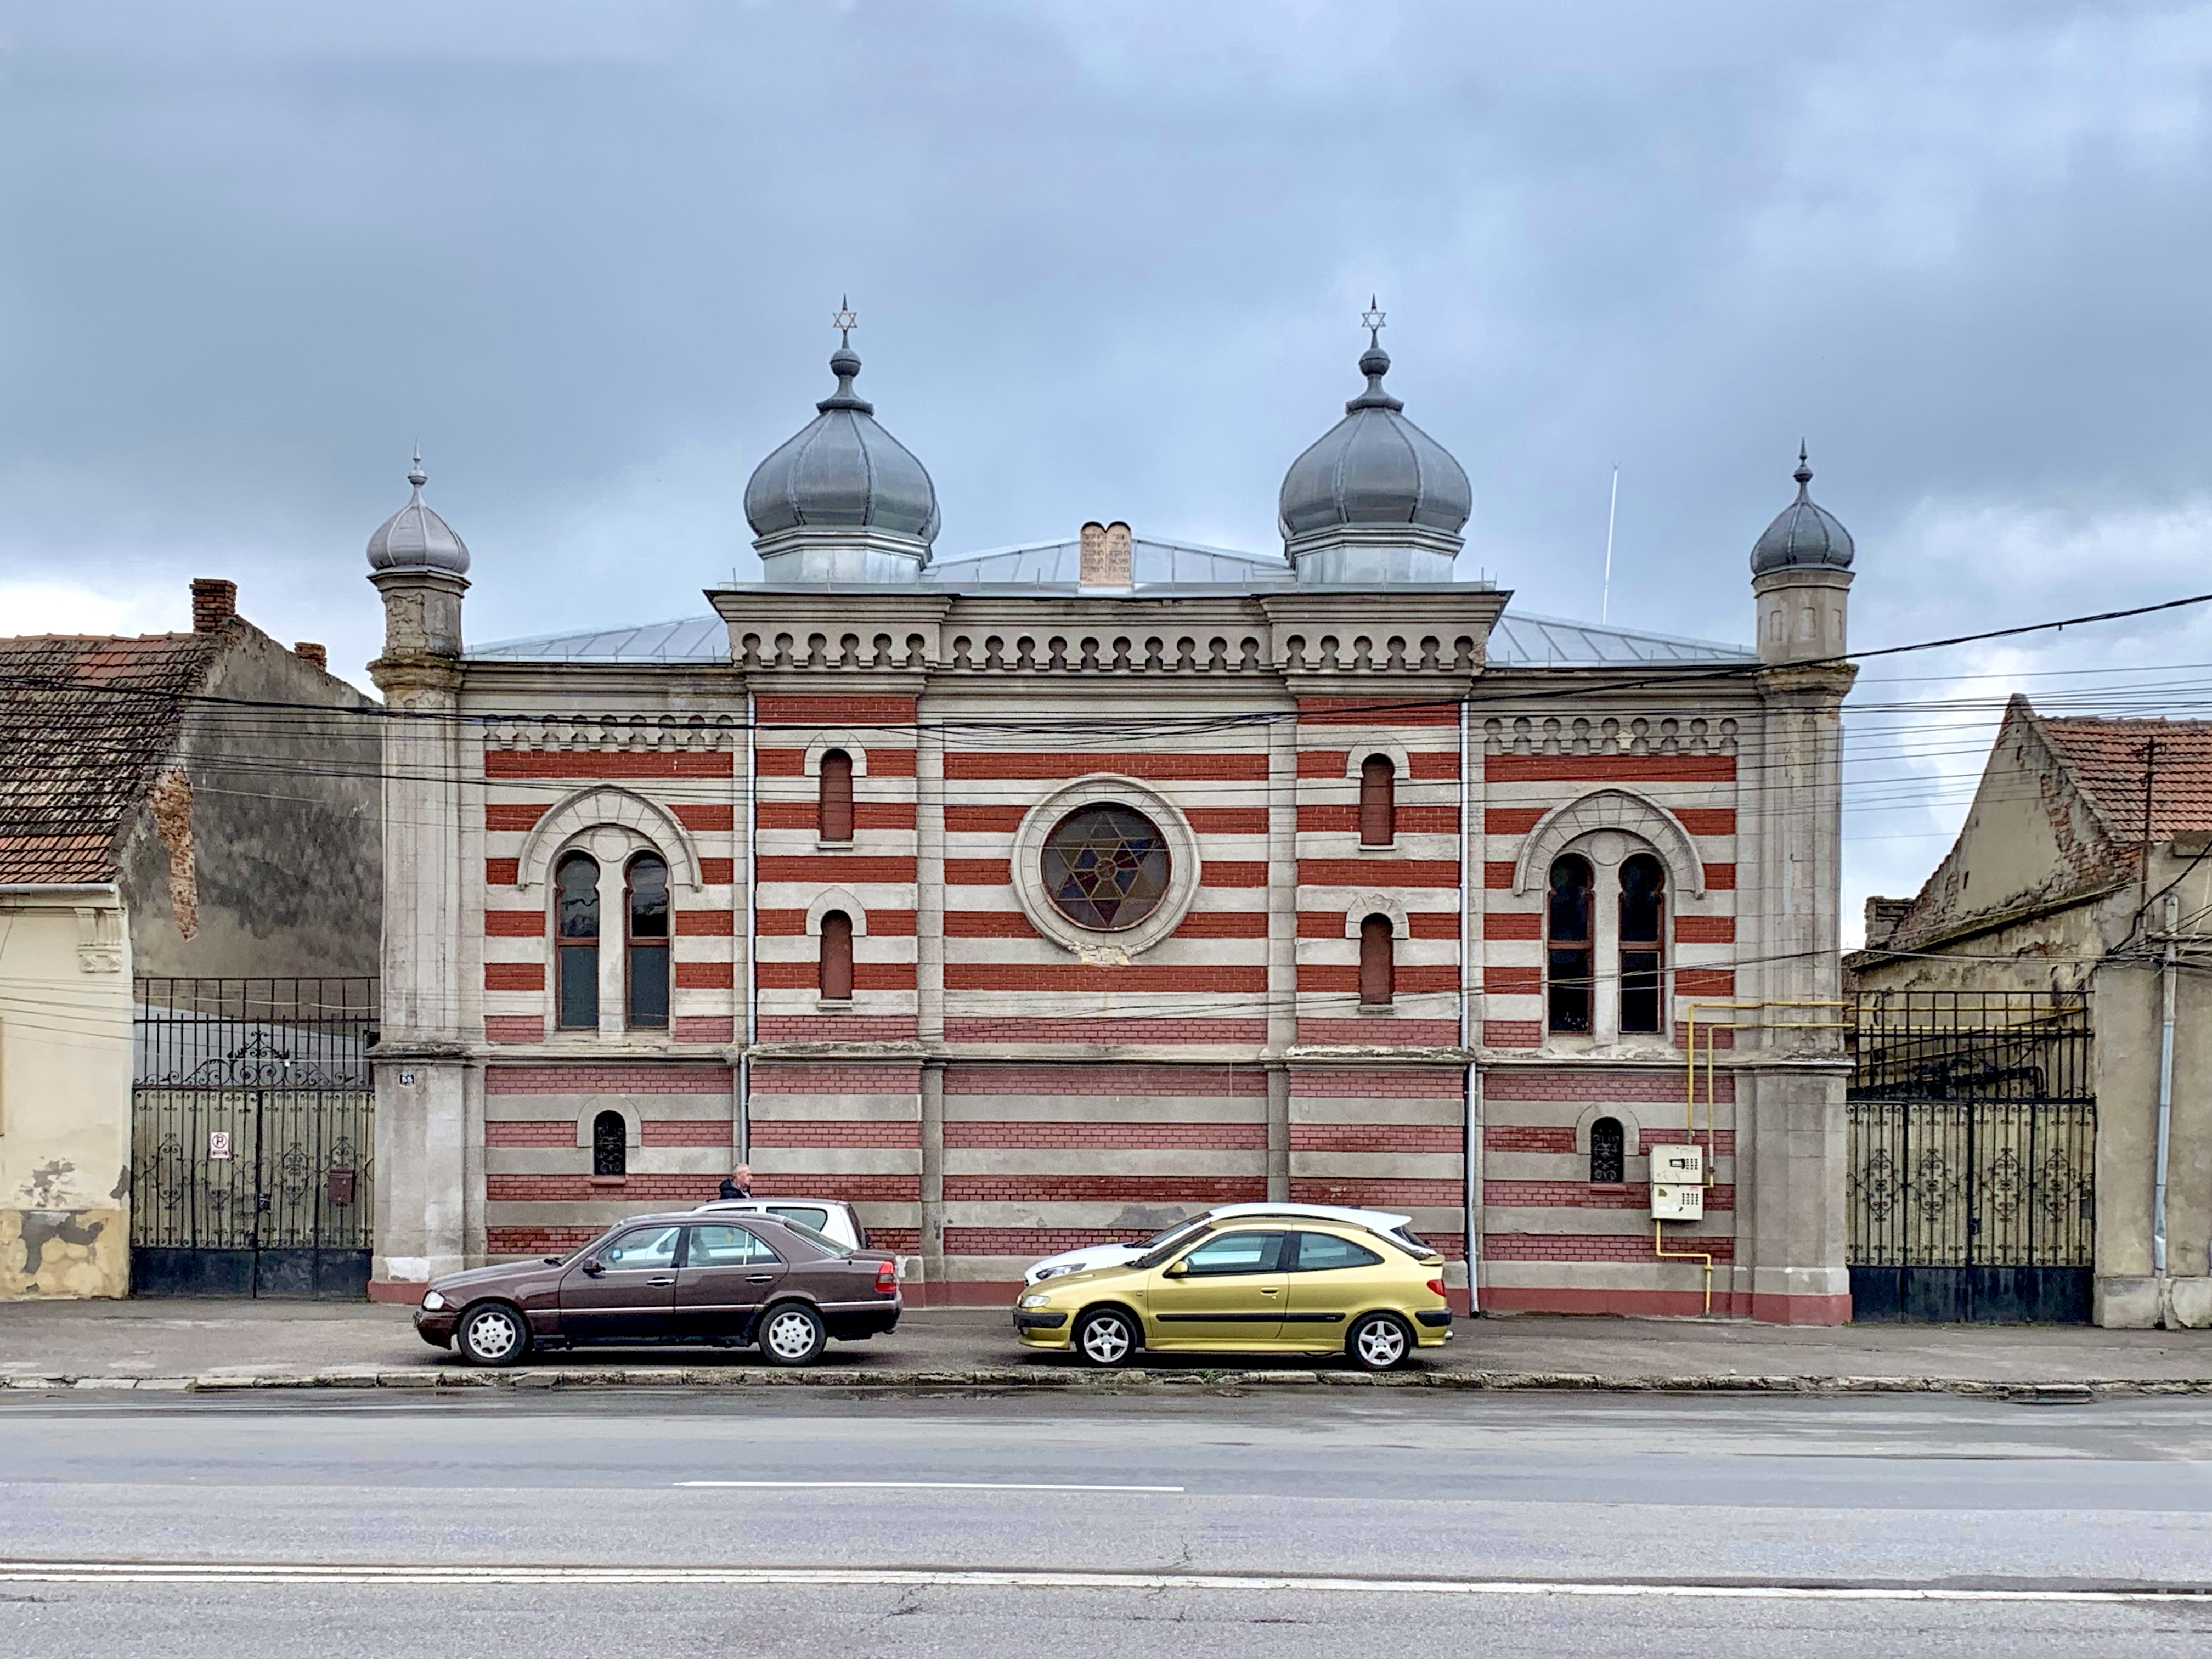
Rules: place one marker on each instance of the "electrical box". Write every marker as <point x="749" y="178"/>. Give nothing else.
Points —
<point x="1678" y="1184"/>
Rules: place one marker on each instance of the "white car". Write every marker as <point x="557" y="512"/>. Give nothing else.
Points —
<point x="1113" y="1255"/>
<point x="830" y="1217"/>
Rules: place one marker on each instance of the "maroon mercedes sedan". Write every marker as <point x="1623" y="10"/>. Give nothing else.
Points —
<point x="704" y="1279"/>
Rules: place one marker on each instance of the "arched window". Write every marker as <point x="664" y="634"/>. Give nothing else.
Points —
<point x="1377" y="968"/>
<point x="1567" y="945"/>
<point x="1378" y="801"/>
<point x="646" y="902"/>
<point x="836" y="979"/>
<point x="609" y="1145"/>
<point x="834" y="800"/>
<point x="576" y="942"/>
<point x="1609" y="1152"/>
<point x="1643" y="917"/>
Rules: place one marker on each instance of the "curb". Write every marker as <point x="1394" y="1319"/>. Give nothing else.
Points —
<point x="447" y="1380"/>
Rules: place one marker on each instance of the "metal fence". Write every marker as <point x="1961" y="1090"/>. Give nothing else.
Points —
<point x="252" y="1137"/>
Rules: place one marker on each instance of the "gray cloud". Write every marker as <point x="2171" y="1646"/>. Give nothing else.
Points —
<point x="1107" y="260"/>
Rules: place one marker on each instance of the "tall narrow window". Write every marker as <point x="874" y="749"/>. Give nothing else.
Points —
<point x="1567" y="945"/>
<point x="609" y="1145"/>
<point x="1609" y="1152"/>
<point x="576" y="941"/>
<point x="645" y="900"/>
<point x="1378" y="801"/>
<point x="1377" y="969"/>
<point x="837" y="796"/>
<point x="1643" y="917"/>
<point x="837" y="957"/>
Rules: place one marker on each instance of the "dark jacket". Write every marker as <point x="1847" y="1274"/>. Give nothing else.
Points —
<point x="730" y="1189"/>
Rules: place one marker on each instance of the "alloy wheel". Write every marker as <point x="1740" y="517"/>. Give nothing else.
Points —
<point x="790" y="1335"/>
<point x="1106" y="1340"/>
<point x="1381" y="1343"/>
<point x="493" y="1335"/>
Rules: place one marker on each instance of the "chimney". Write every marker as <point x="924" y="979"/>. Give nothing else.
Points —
<point x="308" y="650"/>
<point x="1105" y="555"/>
<point x="1882" y="915"/>
<point x="215" y="602"/>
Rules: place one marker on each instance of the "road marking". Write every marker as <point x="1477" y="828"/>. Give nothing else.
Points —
<point x="916" y="1485"/>
<point x="194" y="1573"/>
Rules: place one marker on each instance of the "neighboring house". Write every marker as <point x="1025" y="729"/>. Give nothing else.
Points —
<point x="2087" y="852"/>
<point x="1034" y="897"/>
<point x="174" y="806"/>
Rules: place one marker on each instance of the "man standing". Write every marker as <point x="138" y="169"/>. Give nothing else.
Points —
<point x="738" y="1183"/>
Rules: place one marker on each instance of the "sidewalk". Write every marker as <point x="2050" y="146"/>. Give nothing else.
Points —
<point x="280" y="1343"/>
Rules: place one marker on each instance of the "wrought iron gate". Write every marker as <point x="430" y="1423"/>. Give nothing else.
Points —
<point x="253" y="1138"/>
<point x="1973" y="1140"/>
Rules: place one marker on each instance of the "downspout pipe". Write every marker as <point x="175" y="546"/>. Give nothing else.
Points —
<point x="1471" y="1143"/>
<point x="752" y="929"/>
<point x="2166" y="975"/>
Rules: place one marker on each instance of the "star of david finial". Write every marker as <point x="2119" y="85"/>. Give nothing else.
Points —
<point x="845" y="319"/>
<point x="1372" y="320"/>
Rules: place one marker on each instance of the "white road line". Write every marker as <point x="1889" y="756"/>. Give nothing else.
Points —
<point x="115" y="1572"/>
<point x="915" y="1486"/>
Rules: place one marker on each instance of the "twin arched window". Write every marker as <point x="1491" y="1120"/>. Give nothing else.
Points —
<point x="1378" y="801"/>
<point x="576" y="942"/>
<point x="1572" y="919"/>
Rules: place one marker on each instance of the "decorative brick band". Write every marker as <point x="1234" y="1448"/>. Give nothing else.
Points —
<point x="852" y="1189"/>
<point x="826" y="1131"/>
<point x="706" y="1028"/>
<point x="1376" y="711"/>
<point x="1077" y="976"/>
<point x="834" y="1077"/>
<point x="689" y="1189"/>
<point x="1036" y="1241"/>
<point x="807" y="975"/>
<point x="1528" y="1138"/>
<point x="515" y="975"/>
<point x="1610" y="768"/>
<point x="1106" y="1031"/>
<point x="1409" y="820"/>
<point x="1721" y="878"/>
<point x="1604" y="1246"/>
<point x="1592" y="1084"/>
<point x="1103" y="1189"/>
<point x="1124" y="1136"/>
<point x="978" y="872"/>
<point x="1704" y="982"/>
<point x="1091" y="1082"/>
<point x="514" y="924"/>
<point x="970" y="763"/>
<point x="1587" y="1195"/>
<point x="510" y="816"/>
<point x="901" y="1241"/>
<point x="791" y="924"/>
<point x="1512" y="1034"/>
<point x="1369" y="874"/>
<point x="1376" y="1138"/>
<point x="537" y="1241"/>
<point x="685" y="1132"/>
<point x="705" y="819"/>
<point x="502" y="872"/>
<point x="1513" y="982"/>
<point x="718" y="872"/>
<point x="1427" y="1033"/>
<point x="706" y="924"/>
<point x="1233" y="872"/>
<point x="600" y="1078"/>
<point x="708" y="975"/>
<point x="835" y="1028"/>
<point x="1705" y="930"/>
<point x="609" y="763"/>
<point x="1419" y="924"/>
<point x="1390" y="1083"/>
<point x="1406" y="978"/>
<point x="1228" y="924"/>
<point x="1364" y="1192"/>
<point x="806" y="815"/>
<point x="1428" y="765"/>
<point x="841" y="867"/>
<point x="1512" y="924"/>
<point x="889" y="711"/>
<point x="537" y="1132"/>
<point x="514" y="1028"/>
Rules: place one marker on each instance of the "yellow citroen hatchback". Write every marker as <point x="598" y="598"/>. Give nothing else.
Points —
<point x="1264" y="1286"/>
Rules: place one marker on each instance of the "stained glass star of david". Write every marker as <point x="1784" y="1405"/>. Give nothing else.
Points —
<point x="1106" y="867"/>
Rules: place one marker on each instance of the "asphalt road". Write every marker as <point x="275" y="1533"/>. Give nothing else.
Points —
<point x="1266" y="1523"/>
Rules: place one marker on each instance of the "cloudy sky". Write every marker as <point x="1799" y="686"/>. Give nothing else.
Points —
<point x="1107" y="261"/>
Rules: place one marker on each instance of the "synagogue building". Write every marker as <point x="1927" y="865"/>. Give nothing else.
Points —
<point x="1039" y="897"/>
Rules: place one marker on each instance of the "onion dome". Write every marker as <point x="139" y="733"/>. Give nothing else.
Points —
<point x="843" y="471"/>
<point x="416" y="538"/>
<point x="1803" y="535"/>
<point x="1374" y="469"/>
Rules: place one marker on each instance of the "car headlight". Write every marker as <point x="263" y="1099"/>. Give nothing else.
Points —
<point x="1053" y="1273"/>
<point x="1035" y="1301"/>
<point x="433" y="1302"/>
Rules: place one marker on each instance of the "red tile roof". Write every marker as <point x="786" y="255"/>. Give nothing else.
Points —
<point x="2110" y="763"/>
<point x="85" y="725"/>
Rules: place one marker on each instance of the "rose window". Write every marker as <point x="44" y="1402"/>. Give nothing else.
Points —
<point x="1106" y="867"/>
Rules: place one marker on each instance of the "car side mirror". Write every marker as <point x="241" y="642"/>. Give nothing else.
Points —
<point x="1175" y="1270"/>
<point x="552" y="1261"/>
<point x="591" y="1266"/>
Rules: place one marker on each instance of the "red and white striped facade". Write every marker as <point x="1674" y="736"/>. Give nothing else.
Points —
<point x="998" y="1087"/>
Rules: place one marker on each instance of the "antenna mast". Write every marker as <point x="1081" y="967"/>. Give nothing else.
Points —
<point x="1605" y="593"/>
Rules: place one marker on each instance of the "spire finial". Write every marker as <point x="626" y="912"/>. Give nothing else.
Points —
<point x="1371" y="320"/>
<point x="845" y="319"/>
<point x="415" y="475"/>
<point x="1804" y="473"/>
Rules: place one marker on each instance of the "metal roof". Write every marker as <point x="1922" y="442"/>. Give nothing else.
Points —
<point x="1523" y="640"/>
<point x="1151" y="564"/>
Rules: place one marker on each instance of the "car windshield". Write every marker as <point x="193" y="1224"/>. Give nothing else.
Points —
<point x="1167" y="1233"/>
<point x="821" y="1241"/>
<point x="1176" y="1241"/>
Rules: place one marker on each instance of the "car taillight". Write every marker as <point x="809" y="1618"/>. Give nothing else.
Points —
<point x="1435" y="1287"/>
<point x="886" y="1278"/>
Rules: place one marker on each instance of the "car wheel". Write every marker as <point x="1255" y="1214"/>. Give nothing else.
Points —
<point x="793" y="1335"/>
<point x="493" y="1334"/>
<point x="1107" y="1336"/>
<point x="1380" y="1342"/>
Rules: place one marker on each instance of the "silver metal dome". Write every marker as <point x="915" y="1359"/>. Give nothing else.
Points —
<point x="842" y="470"/>
<point x="1375" y="468"/>
<point x="416" y="538"/>
<point x="1803" y="534"/>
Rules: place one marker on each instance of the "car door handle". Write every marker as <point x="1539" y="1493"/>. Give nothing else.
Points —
<point x="760" y="1279"/>
<point x="1270" y="1290"/>
<point x="667" y="1279"/>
